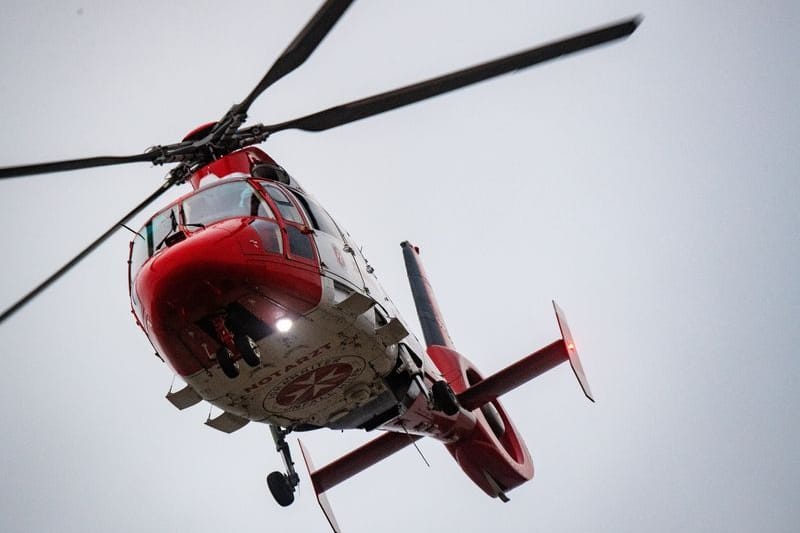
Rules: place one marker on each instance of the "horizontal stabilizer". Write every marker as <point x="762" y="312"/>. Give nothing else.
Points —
<point x="528" y="368"/>
<point x="360" y="459"/>
<point x="513" y="376"/>
<point x="351" y="464"/>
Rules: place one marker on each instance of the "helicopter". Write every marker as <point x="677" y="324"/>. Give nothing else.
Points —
<point x="263" y="303"/>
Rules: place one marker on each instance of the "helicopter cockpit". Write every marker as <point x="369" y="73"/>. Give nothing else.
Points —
<point x="268" y="220"/>
<point x="209" y="205"/>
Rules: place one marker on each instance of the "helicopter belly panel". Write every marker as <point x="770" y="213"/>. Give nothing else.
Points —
<point x="330" y="363"/>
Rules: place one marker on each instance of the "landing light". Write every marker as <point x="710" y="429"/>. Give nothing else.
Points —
<point x="283" y="324"/>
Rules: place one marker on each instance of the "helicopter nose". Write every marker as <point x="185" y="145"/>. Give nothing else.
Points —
<point x="217" y="267"/>
<point x="191" y="278"/>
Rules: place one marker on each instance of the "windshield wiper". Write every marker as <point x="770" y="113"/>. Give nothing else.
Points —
<point x="173" y="227"/>
<point x="190" y="224"/>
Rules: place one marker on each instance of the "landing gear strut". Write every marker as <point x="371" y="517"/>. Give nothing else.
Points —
<point x="282" y="485"/>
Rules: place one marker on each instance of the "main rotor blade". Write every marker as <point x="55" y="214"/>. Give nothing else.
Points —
<point x="86" y="251"/>
<point x="75" y="164"/>
<point x="300" y="48"/>
<point x="367" y="107"/>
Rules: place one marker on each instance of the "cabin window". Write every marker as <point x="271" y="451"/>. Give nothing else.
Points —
<point x="285" y="206"/>
<point x="219" y="202"/>
<point x="317" y="216"/>
<point x="299" y="243"/>
<point x="269" y="233"/>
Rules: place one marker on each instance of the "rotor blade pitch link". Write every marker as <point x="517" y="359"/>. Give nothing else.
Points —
<point x="367" y="107"/>
<point x="176" y="176"/>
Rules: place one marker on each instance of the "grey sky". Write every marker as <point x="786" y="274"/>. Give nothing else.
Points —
<point x="650" y="187"/>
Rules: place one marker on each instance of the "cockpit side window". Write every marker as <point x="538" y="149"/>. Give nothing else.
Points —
<point x="152" y="238"/>
<point x="317" y="216"/>
<point x="139" y="251"/>
<point x="227" y="200"/>
<point x="285" y="206"/>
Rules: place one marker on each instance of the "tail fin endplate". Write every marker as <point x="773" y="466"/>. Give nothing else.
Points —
<point x="572" y="352"/>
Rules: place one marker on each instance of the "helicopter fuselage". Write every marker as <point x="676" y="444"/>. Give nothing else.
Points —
<point x="246" y="256"/>
<point x="269" y="311"/>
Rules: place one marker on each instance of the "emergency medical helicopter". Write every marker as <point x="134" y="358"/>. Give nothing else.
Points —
<point x="252" y="293"/>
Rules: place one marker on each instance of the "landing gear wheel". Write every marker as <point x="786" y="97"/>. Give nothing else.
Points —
<point x="282" y="485"/>
<point x="248" y="349"/>
<point x="226" y="362"/>
<point x="280" y="488"/>
<point x="444" y="398"/>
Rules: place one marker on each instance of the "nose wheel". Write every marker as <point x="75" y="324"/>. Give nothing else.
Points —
<point x="280" y="484"/>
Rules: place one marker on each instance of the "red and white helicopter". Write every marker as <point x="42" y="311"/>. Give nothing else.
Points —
<point x="267" y="309"/>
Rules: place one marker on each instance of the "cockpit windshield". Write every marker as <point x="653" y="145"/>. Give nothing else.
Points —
<point x="227" y="200"/>
<point x="212" y="204"/>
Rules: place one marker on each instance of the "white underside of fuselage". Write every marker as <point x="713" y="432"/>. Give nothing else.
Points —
<point x="329" y="365"/>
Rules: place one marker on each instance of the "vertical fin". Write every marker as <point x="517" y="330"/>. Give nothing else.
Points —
<point x="430" y="318"/>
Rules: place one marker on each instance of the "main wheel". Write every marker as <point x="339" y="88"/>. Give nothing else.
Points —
<point x="280" y="489"/>
<point x="249" y="349"/>
<point x="226" y="362"/>
<point x="444" y="398"/>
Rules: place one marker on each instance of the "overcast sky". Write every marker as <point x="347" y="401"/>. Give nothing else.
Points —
<point x="650" y="187"/>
